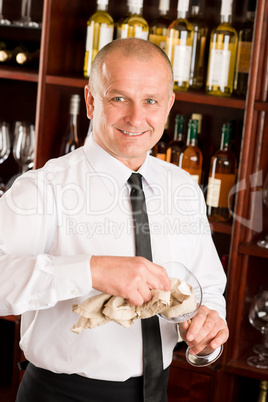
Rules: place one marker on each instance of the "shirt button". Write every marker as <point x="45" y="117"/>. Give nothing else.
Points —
<point x="75" y="292"/>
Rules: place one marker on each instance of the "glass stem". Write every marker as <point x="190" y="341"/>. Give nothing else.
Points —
<point x="28" y="10"/>
<point x="265" y="338"/>
<point x="24" y="169"/>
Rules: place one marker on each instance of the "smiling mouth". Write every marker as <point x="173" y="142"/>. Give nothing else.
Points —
<point x="131" y="134"/>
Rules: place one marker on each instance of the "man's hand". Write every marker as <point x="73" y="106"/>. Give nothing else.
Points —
<point x="129" y="277"/>
<point x="205" y="332"/>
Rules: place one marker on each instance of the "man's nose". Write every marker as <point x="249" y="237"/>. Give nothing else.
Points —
<point x="135" y="114"/>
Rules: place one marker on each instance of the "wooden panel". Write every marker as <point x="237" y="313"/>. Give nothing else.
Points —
<point x="187" y="386"/>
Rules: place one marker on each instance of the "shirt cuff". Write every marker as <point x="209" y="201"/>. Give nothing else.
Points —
<point x="72" y="276"/>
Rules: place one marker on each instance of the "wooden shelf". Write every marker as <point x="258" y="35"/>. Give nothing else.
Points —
<point x="241" y="368"/>
<point x="220" y="227"/>
<point x="203" y="98"/>
<point x="261" y="106"/>
<point x="253" y="249"/>
<point x="75" y="81"/>
<point x="17" y="73"/>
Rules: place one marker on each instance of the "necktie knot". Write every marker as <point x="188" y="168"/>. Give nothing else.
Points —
<point x="135" y="181"/>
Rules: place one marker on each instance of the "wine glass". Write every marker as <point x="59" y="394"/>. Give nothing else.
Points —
<point x="3" y="21"/>
<point x="258" y="318"/>
<point x="4" y="141"/>
<point x="264" y="242"/>
<point x="25" y="18"/>
<point x="189" y="287"/>
<point x="23" y="146"/>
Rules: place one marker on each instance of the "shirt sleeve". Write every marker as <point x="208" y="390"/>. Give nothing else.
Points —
<point x="30" y="277"/>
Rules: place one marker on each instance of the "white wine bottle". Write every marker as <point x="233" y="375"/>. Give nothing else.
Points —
<point x="179" y="47"/>
<point x="158" y="31"/>
<point x="197" y="70"/>
<point x="134" y="26"/>
<point x="7" y="55"/>
<point x="222" y="54"/>
<point x="71" y="139"/>
<point x="119" y="23"/>
<point x="245" y="36"/>
<point x="100" y="30"/>
<point x="222" y="177"/>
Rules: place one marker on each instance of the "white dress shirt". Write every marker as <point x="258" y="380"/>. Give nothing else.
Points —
<point x="55" y="218"/>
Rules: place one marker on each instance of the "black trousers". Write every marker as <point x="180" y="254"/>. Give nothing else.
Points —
<point x="39" y="385"/>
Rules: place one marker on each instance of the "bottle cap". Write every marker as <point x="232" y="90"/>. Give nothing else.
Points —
<point x="75" y="104"/>
<point x="136" y="3"/>
<point x="226" y="7"/>
<point x="21" y="58"/>
<point x="198" y="117"/>
<point x="3" y="56"/>
<point x="196" y="3"/>
<point x="164" y="5"/>
<point x="102" y="2"/>
<point x="183" y="5"/>
<point x="192" y="126"/>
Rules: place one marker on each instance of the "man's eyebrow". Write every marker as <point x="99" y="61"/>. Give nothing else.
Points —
<point x="123" y="93"/>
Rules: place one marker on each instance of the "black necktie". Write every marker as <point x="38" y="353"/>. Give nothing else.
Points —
<point x="153" y="388"/>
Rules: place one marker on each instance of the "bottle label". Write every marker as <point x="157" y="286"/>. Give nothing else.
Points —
<point x="195" y="173"/>
<point x="122" y="32"/>
<point x="89" y="46"/>
<point x="140" y="34"/>
<point x="106" y="35"/>
<point x="196" y="178"/>
<point x="182" y="63"/>
<point x="219" y="67"/>
<point x="218" y="190"/>
<point x="243" y="57"/>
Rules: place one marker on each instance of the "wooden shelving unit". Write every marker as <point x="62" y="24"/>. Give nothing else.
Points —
<point x="42" y="95"/>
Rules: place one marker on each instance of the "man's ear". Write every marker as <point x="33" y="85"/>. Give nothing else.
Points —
<point x="89" y="102"/>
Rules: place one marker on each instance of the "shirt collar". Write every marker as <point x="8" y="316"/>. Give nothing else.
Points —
<point x="105" y="164"/>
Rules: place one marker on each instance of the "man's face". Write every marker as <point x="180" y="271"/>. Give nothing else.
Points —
<point x="130" y="106"/>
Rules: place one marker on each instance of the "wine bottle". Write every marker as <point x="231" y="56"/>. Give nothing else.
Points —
<point x="134" y="26"/>
<point x="159" y="28"/>
<point x="72" y="140"/>
<point x="159" y="150"/>
<point x="7" y="55"/>
<point x="119" y="23"/>
<point x="222" y="177"/>
<point x="179" y="47"/>
<point x="197" y="69"/>
<point x="245" y="36"/>
<point x="100" y="30"/>
<point x="222" y="54"/>
<point x="27" y="57"/>
<point x="191" y="157"/>
<point x="177" y="144"/>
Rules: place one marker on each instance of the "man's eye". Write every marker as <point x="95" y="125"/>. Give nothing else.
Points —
<point x="118" y="99"/>
<point x="150" y="101"/>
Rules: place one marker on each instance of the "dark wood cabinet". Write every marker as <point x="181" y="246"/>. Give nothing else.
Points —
<point x="42" y="95"/>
